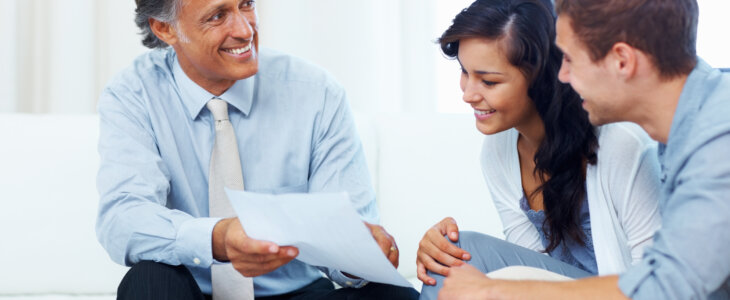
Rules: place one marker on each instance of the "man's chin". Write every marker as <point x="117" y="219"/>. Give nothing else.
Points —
<point x="246" y="72"/>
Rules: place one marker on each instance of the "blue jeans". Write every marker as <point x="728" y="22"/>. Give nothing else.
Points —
<point x="489" y="254"/>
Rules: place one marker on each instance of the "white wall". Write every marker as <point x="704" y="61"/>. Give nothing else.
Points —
<point x="69" y="56"/>
<point x="418" y="36"/>
<point x="448" y="72"/>
<point x="61" y="53"/>
<point x="377" y="49"/>
<point x="713" y="44"/>
<point x="118" y="41"/>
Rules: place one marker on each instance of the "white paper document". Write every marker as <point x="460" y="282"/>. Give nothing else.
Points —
<point x="325" y="227"/>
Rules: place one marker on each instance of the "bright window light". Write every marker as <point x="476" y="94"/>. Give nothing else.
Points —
<point x="448" y="71"/>
<point x="713" y="44"/>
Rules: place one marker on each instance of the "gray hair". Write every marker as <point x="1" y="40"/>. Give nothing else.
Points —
<point x="161" y="10"/>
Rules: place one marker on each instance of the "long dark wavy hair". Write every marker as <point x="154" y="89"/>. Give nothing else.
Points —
<point x="527" y="31"/>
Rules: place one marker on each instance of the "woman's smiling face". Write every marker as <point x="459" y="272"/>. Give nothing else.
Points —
<point x="495" y="88"/>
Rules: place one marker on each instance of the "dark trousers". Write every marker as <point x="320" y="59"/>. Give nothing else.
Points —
<point x="158" y="281"/>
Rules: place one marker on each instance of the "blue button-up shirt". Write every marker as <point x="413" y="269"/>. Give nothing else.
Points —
<point x="690" y="257"/>
<point x="295" y="133"/>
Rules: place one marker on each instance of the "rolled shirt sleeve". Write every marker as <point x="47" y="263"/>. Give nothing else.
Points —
<point x="343" y="280"/>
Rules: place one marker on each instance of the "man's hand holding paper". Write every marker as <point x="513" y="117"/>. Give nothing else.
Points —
<point x="385" y="241"/>
<point x="325" y="228"/>
<point x="249" y="256"/>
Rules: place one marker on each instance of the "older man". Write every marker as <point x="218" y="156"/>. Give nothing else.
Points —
<point x="208" y="110"/>
<point x="634" y="60"/>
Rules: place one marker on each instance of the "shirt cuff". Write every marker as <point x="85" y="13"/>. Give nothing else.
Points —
<point x="194" y="242"/>
<point x="629" y="281"/>
<point x="345" y="281"/>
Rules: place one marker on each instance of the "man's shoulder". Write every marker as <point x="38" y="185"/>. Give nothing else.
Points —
<point x="286" y="68"/>
<point x="148" y="76"/>
<point x="706" y="122"/>
<point x="150" y="68"/>
<point x="712" y="117"/>
<point x="711" y="89"/>
<point x="717" y="103"/>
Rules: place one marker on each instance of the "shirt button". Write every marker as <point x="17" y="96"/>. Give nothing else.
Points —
<point x="196" y="261"/>
<point x="349" y="283"/>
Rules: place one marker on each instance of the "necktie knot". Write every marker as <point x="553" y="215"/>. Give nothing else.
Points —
<point x="218" y="108"/>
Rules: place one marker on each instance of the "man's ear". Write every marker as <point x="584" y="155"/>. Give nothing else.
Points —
<point x="164" y="31"/>
<point x="625" y="60"/>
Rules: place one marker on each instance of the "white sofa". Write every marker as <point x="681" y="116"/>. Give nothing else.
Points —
<point x="424" y="167"/>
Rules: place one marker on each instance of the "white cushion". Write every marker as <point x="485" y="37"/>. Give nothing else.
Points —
<point x="49" y="165"/>
<point x="60" y="297"/>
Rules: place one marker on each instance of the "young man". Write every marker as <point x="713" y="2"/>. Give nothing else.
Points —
<point x="634" y="60"/>
<point x="212" y="111"/>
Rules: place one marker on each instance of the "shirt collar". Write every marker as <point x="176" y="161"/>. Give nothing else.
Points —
<point x="194" y="97"/>
<point x="693" y="93"/>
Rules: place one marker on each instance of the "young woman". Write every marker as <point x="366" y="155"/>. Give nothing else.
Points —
<point x="591" y="209"/>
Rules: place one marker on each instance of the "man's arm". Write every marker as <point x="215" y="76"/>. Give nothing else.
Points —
<point x="338" y="164"/>
<point x="689" y="257"/>
<point x="466" y="282"/>
<point x="133" y="223"/>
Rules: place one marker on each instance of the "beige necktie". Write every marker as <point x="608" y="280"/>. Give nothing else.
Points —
<point x="225" y="170"/>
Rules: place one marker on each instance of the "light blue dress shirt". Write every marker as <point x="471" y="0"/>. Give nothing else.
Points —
<point x="690" y="257"/>
<point x="295" y="133"/>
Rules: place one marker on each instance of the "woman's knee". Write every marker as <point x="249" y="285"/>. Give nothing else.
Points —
<point x="472" y="241"/>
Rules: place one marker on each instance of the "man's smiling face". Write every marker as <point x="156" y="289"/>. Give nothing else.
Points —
<point x="592" y="80"/>
<point x="217" y="41"/>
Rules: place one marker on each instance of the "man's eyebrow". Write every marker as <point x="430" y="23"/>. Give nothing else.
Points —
<point x="215" y="9"/>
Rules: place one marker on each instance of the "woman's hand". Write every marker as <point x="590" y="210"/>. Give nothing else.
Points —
<point x="466" y="282"/>
<point x="436" y="253"/>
